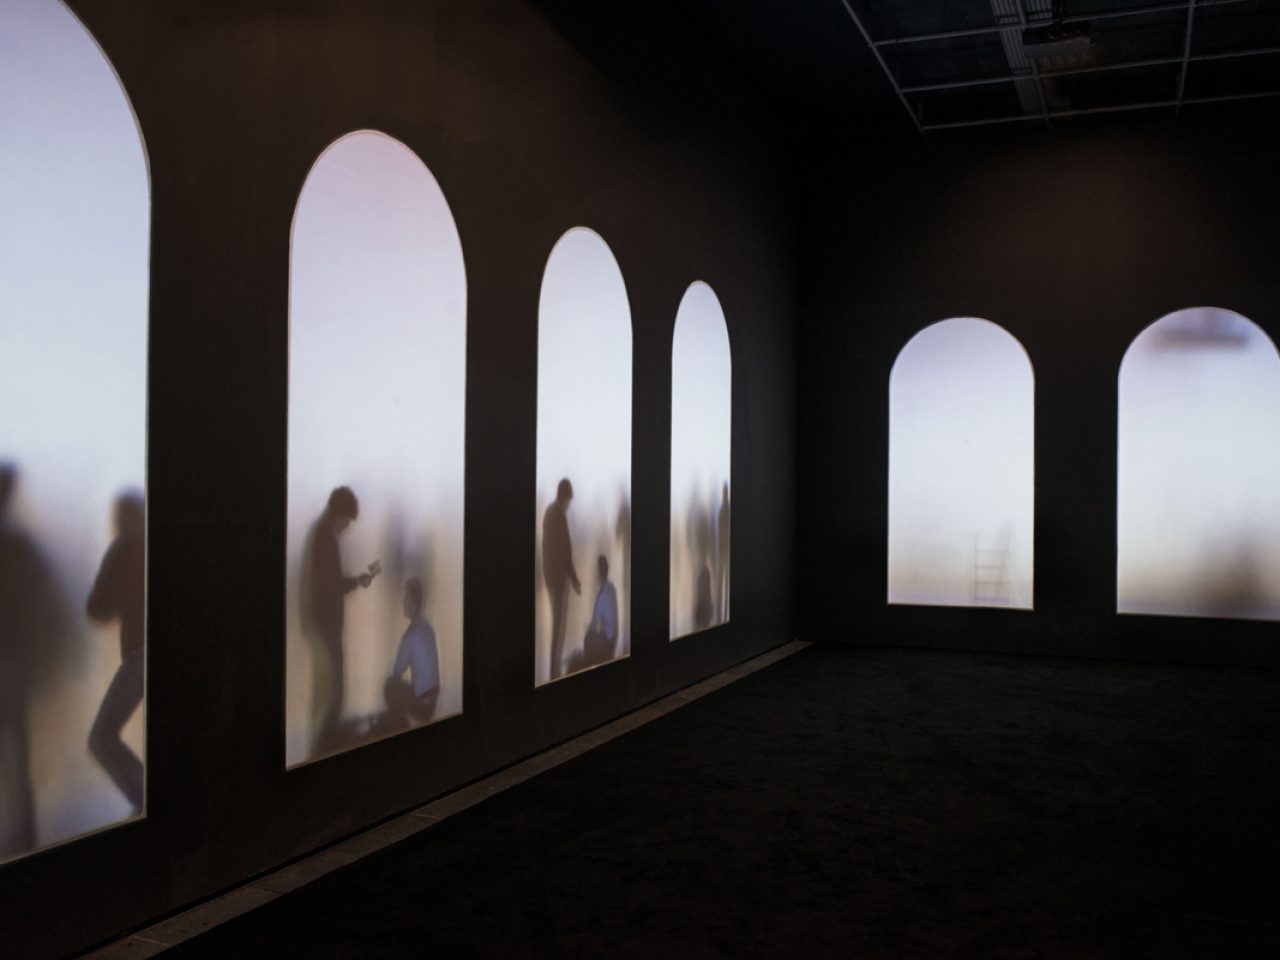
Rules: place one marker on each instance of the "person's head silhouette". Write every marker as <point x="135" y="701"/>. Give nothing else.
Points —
<point x="414" y="597"/>
<point x="603" y="566"/>
<point x="129" y="514"/>
<point x="8" y="480"/>
<point x="343" y="508"/>
<point x="564" y="492"/>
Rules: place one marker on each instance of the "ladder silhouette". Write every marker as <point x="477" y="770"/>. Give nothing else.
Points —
<point x="993" y="569"/>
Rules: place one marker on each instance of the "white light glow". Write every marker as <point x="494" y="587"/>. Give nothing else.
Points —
<point x="377" y="392"/>
<point x="961" y="468"/>
<point x="74" y="250"/>
<point x="1198" y="461"/>
<point x="584" y="432"/>
<point x="701" y="429"/>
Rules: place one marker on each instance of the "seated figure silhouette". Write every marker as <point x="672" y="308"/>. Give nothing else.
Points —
<point x="557" y="568"/>
<point x="601" y="640"/>
<point x="119" y="594"/>
<point x="414" y="701"/>
<point x="323" y="597"/>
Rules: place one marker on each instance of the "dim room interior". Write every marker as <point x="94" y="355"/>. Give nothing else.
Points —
<point x="549" y="478"/>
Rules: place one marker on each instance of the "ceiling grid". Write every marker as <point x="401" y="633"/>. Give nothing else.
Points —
<point x="971" y="63"/>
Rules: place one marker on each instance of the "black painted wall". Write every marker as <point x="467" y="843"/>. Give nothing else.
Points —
<point x="534" y="119"/>
<point x="1073" y="240"/>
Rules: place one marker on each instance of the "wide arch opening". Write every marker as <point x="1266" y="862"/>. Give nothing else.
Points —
<point x="74" y="267"/>
<point x="1198" y="469"/>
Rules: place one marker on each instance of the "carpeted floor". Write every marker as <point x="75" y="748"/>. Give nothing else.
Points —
<point x="854" y="802"/>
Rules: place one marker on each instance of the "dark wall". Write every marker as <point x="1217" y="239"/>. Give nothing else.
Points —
<point x="529" y="132"/>
<point x="1073" y="240"/>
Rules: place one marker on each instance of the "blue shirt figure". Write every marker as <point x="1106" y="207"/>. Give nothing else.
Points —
<point x="604" y="618"/>
<point x="598" y="646"/>
<point x="419" y="656"/>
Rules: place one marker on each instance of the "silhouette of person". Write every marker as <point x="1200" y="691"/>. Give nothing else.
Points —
<point x="722" y="554"/>
<point x="602" y="635"/>
<point x="323" y="595"/>
<point x="119" y="593"/>
<point x="557" y="567"/>
<point x="702" y="600"/>
<point x="414" y="700"/>
<point x="29" y="611"/>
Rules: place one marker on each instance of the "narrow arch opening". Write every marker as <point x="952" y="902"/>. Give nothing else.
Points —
<point x="701" y="432"/>
<point x="583" y="494"/>
<point x="961" y="468"/>
<point x="377" y="395"/>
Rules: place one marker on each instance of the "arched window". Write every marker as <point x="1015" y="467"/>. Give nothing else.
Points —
<point x="377" y="393"/>
<point x="583" y="496"/>
<point x="961" y="468"/>
<point x="1198" y="469"/>
<point x="74" y="286"/>
<point x="701" y="422"/>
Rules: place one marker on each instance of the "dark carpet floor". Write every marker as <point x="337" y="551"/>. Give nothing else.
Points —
<point x="854" y="802"/>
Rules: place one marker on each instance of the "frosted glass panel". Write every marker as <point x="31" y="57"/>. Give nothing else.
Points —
<point x="377" y="392"/>
<point x="1198" y="489"/>
<point x="583" y="497"/>
<point x="961" y="468"/>
<point x="701" y="422"/>
<point x="74" y="248"/>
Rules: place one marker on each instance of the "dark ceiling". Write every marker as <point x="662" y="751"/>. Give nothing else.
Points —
<point x="934" y="66"/>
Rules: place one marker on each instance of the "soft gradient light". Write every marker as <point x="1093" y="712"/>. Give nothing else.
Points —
<point x="377" y="393"/>
<point x="584" y="429"/>
<point x="961" y="468"/>
<point x="701" y="431"/>
<point x="1198" y="460"/>
<point x="74" y="249"/>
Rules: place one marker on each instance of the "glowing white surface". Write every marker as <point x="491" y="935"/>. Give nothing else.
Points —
<point x="701" y="431"/>
<point x="961" y="468"/>
<point x="584" y="429"/>
<point x="377" y="393"/>
<point x="75" y="214"/>
<point x="1198" y="461"/>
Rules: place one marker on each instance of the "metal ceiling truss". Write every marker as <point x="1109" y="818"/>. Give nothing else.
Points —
<point x="1011" y="18"/>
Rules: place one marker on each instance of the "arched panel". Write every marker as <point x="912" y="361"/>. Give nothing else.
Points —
<point x="961" y="468"/>
<point x="1198" y="469"/>
<point x="74" y="271"/>
<point x="701" y="430"/>
<point x="377" y="393"/>
<point x="583" y="496"/>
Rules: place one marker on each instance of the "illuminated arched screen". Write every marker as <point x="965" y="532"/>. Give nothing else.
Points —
<point x="1198" y="469"/>
<point x="74" y="250"/>
<point x="701" y="427"/>
<point x="377" y="392"/>
<point x="961" y="468"/>
<point x="583" y="497"/>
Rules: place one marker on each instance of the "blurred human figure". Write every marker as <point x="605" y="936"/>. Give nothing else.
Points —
<point x="622" y="537"/>
<point x="722" y="555"/>
<point x="119" y="593"/>
<point x="702" y="600"/>
<point x="701" y="543"/>
<point x="323" y="594"/>
<point x="602" y="635"/>
<point x="558" y="572"/>
<point x="28" y="614"/>
<point x="414" y="701"/>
